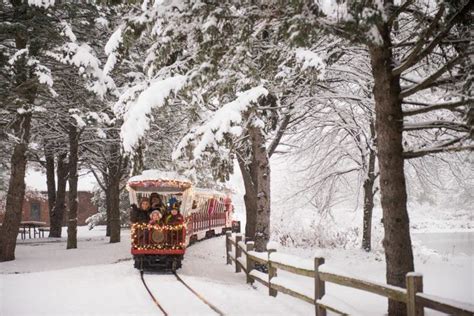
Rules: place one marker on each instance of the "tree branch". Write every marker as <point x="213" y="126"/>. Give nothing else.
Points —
<point x="279" y="134"/>
<point x="428" y="151"/>
<point x="418" y="55"/>
<point x="433" y="107"/>
<point x="431" y="79"/>
<point x="411" y="59"/>
<point x="458" y="127"/>
<point x="399" y="10"/>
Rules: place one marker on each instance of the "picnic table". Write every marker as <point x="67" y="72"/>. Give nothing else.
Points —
<point x="26" y="226"/>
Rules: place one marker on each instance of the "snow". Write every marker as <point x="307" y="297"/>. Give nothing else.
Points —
<point x="114" y="42"/>
<point x="460" y="305"/>
<point x="295" y="285"/>
<point x="41" y="3"/>
<point x="222" y="122"/>
<point x="137" y="110"/>
<point x="260" y="255"/>
<point x="110" y="49"/>
<point x="342" y="306"/>
<point x="68" y="31"/>
<point x="333" y="9"/>
<point x="311" y="59"/>
<point x="83" y="58"/>
<point x="99" y="272"/>
<point x="17" y="55"/>
<point x="98" y="278"/>
<point x="156" y="174"/>
<point x="293" y="261"/>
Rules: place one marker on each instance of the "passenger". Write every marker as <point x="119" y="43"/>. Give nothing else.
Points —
<point x="156" y="218"/>
<point x="141" y="214"/>
<point x="174" y="218"/>
<point x="171" y="202"/>
<point x="157" y="204"/>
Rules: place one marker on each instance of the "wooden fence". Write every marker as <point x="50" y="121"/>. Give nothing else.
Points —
<point x="412" y="296"/>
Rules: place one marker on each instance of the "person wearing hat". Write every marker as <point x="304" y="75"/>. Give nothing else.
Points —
<point x="156" y="218"/>
<point x="174" y="218"/>
<point x="141" y="214"/>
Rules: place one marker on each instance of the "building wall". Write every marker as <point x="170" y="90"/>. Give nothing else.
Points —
<point x="38" y="201"/>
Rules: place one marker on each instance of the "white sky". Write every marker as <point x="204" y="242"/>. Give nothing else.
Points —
<point x="36" y="180"/>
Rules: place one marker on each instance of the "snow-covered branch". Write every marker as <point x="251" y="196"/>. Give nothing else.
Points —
<point x="432" y="78"/>
<point x="433" y="150"/>
<point x="226" y="120"/>
<point x="415" y="58"/>
<point x="432" y="107"/>
<point x="137" y="108"/>
<point x="412" y="58"/>
<point x="459" y="127"/>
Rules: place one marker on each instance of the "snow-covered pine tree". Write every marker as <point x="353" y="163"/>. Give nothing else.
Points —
<point x="49" y="50"/>
<point x="222" y="49"/>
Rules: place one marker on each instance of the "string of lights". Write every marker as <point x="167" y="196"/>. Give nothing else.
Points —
<point x="140" y="242"/>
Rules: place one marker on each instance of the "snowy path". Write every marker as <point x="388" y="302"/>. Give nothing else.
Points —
<point x="99" y="279"/>
<point x="166" y="288"/>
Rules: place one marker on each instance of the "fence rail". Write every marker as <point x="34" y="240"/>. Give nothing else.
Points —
<point x="412" y="296"/>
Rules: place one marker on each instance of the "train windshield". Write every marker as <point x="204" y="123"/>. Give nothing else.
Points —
<point x="169" y="186"/>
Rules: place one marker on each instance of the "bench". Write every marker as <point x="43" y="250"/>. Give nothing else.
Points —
<point x="41" y="231"/>
<point x="22" y="232"/>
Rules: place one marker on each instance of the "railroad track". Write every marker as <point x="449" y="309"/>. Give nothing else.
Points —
<point x="152" y="293"/>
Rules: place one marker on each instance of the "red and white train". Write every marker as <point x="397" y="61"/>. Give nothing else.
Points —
<point x="206" y="213"/>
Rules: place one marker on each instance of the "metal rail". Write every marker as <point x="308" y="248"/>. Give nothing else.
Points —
<point x="199" y="295"/>
<point x="151" y="294"/>
<point x="214" y="308"/>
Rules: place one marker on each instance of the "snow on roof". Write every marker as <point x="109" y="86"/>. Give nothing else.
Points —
<point x="36" y="180"/>
<point x="209" y="192"/>
<point x="156" y="174"/>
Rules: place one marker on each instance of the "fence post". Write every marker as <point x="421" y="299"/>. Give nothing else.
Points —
<point x="228" y="246"/>
<point x="272" y="272"/>
<point x="319" y="287"/>
<point x="238" y="253"/>
<point x="414" y="283"/>
<point x="249" y="247"/>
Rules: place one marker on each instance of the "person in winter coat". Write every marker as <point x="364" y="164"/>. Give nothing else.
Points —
<point x="141" y="214"/>
<point x="157" y="204"/>
<point x="174" y="218"/>
<point x="156" y="218"/>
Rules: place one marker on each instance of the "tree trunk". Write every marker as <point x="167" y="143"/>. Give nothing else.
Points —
<point x="21" y="129"/>
<point x="389" y="123"/>
<point x="72" y="198"/>
<point x="368" y="202"/>
<point x="259" y="152"/>
<point x="113" y="186"/>
<point x="114" y="196"/>
<point x="138" y="163"/>
<point x="57" y="214"/>
<point x="50" y="181"/>
<point x="369" y="193"/>
<point x="16" y="189"/>
<point x="250" y="199"/>
<point x="107" y="211"/>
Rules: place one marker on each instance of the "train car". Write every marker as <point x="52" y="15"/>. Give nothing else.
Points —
<point x="206" y="213"/>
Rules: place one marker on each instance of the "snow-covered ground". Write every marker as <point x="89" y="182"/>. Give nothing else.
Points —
<point x="98" y="278"/>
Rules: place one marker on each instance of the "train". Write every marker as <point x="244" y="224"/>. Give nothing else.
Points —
<point x="206" y="213"/>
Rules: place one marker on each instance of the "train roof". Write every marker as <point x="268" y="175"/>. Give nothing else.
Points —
<point x="209" y="192"/>
<point x="159" y="181"/>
